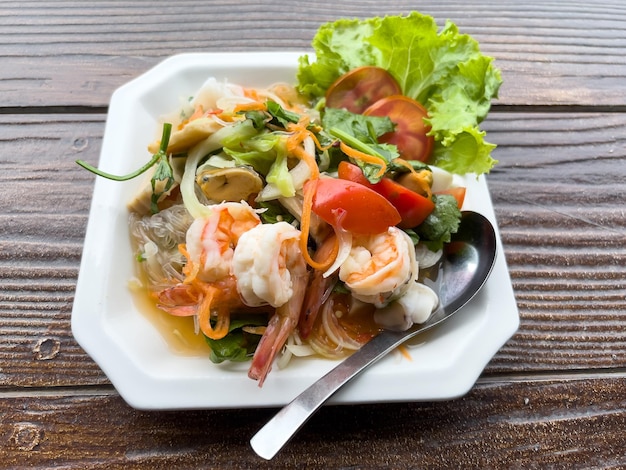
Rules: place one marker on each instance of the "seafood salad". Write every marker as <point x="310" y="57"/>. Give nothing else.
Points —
<point x="293" y="219"/>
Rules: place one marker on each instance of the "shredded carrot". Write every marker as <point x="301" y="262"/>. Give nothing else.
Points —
<point x="309" y="159"/>
<point x="305" y="225"/>
<point x="199" y="111"/>
<point x="299" y="133"/>
<point x="251" y="93"/>
<point x="190" y="270"/>
<point x="405" y="164"/>
<point x="358" y="155"/>
<point x="251" y="106"/>
<point x="424" y="185"/>
<point x="302" y="130"/>
<point x="204" y="315"/>
<point x="317" y="142"/>
<point x="209" y="295"/>
<point x="405" y="352"/>
<point x="197" y="114"/>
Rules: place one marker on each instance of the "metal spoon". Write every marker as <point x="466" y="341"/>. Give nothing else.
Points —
<point x="465" y="266"/>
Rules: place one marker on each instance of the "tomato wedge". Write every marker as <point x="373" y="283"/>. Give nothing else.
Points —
<point x="353" y="206"/>
<point x="359" y="88"/>
<point x="412" y="207"/>
<point x="410" y="135"/>
<point x="351" y="172"/>
<point x="458" y="194"/>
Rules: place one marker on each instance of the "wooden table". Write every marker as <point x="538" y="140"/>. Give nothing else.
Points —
<point x="554" y="396"/>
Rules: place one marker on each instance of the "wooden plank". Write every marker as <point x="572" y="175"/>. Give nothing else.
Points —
<point x="558" y="196"/>
<point x="77" y="53"/>
<point x="575" y="422"/>
<point x="558" y="192"/>
<point x="43" y="216"/>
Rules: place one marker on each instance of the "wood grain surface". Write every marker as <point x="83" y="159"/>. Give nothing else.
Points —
<point x="61" y="54"/>
<point x="552" y="397"/>
<point x="567" y="423"/>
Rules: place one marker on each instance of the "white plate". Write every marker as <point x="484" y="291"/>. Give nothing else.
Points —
<point x="133" y="354"/>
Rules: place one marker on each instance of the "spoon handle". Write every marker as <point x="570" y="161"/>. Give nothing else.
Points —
<point x="277" y="432"/>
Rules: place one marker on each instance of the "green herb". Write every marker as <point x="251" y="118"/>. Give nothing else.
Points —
<point x="282" y="116"/>
<point x="442" y="222"/>
<point x="257" y="118"/>
<point x="382" y="151"/>
<point x="416" y="164"/>
<point x="340" y="288"/>
<point x="163" y="172"/>
<point x="237" y="345"/>
<point x="367" y="129"/>
<point x="274" y="212"/>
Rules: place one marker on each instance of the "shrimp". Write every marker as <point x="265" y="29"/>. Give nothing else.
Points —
<point x="319" y="289"/>
<point x="209" y="284"/>
<point x="380" y="267"/>
<point x="211" y="241"/>
<point x="270" y="269"/>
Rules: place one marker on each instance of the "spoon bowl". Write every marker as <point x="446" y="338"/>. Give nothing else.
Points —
<point x="462" y="271"/>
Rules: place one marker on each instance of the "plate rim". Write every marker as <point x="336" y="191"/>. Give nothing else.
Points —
<point x="149" y="390"/>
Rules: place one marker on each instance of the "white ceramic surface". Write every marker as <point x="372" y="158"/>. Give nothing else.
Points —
<point x="105" y="321"/>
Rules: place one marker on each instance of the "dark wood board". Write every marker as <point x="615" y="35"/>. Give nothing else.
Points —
<point x="76" y="53"/>
<point x="574" y="422"/>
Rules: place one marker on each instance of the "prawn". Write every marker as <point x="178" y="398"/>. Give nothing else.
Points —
<point x="380" y="267"/>
<point x="270" y="269"/>
<point x="209" y="285"/>
<point x="320" y="288"/>
<point x="211" y="241"/>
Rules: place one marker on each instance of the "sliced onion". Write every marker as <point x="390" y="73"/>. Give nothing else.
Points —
<point x="284" y="358"/>
<point x="334" y="331"/>
<point x="426" y="258"/>
<point x="325" y="349"/>
<point x="442" y="179"/>
<point x="345" y="245"/>
<point x="229" y="102"/>
<point x="300" y="350"/>
<point x="188" y="183"/>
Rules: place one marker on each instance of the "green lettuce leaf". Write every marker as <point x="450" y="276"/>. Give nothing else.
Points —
<point x="444" y="70"/>
<point x="467" y="153"/>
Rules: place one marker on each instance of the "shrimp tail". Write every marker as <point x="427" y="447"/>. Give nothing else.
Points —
<point x="280" y="326"/>
<point x="179" y="300"/>
<point x="319" y="290"/>
<point x="316" y="296"/>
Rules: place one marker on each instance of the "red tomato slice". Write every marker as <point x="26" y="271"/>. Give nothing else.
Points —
<point x="351" y="172"/>
<point x="412" y="207"/>
<point x="355" y="207"/>
<point x="410" y="133"/>
<point x="458" y="193"/>
<point x="359" y="88"/>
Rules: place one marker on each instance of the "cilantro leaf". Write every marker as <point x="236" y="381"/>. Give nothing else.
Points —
<point x="441" y="223"/>
<point x="237" y="345"/>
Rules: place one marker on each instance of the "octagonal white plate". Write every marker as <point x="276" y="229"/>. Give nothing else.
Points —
<point x="132" y="352"/>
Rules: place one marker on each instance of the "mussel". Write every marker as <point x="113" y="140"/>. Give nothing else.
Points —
<point x="232" y="184"/>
